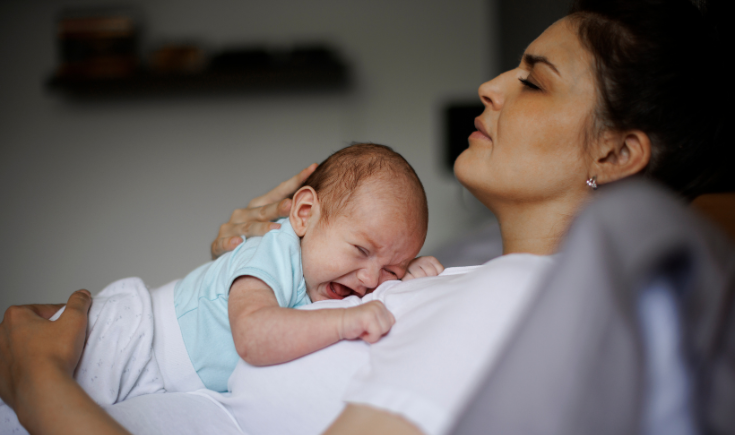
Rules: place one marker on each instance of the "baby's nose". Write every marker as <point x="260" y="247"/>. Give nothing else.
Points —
<point x="369" y="277"/>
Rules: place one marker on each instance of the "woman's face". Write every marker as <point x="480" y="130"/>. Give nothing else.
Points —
<point x="530" y="140"/>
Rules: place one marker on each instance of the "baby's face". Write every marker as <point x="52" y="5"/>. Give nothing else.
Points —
<point x="357" y="251"/>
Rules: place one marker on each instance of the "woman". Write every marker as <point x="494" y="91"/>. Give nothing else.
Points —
<point x="617" y="88"/>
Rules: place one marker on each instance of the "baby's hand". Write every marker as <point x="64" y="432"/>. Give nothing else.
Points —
<point x="423" y="266"/>
<point x="368" y="321"/>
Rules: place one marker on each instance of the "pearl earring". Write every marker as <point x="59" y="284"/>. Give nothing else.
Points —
<point x="592" y="182"/>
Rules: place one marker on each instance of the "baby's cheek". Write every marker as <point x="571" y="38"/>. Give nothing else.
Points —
<point x="317" y="269"/>
<point x="309" y="270"/>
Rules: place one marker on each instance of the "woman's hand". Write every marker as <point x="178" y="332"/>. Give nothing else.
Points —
<point x="30" y="344"/>
<point x="255" y="220"/>
<point x="37" y="360"/>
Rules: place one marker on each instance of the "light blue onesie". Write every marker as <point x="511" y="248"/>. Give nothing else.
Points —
<point x="201" y="298"/>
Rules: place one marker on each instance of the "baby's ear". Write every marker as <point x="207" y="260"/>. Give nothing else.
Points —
<point x="304" y="209"/>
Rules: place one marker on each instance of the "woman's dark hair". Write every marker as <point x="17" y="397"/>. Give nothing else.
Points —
<point x="657" y="64"/>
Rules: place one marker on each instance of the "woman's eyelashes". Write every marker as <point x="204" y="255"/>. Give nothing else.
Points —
<point x="528" y="84"/>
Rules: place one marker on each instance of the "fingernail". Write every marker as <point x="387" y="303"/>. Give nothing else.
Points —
<point x="85" y="291"/>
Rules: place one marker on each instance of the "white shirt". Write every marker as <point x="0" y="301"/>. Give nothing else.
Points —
<point x="449" y="331"/>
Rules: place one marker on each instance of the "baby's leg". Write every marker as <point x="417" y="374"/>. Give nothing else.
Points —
<point x="118" y="361"/>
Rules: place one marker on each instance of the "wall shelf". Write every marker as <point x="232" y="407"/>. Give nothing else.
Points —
<point x="142" y="84"/>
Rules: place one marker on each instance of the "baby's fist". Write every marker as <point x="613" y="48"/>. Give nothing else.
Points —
<point x="423" y="266"/>
<point x="368" y="322"/>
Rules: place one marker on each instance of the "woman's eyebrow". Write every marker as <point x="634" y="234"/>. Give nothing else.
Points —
<point x="532" y="59"/>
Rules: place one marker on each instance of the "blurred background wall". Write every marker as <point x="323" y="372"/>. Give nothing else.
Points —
<point x="94" y="191"/>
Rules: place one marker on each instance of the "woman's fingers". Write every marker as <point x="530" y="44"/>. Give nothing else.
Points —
<point x="285" y="189"/>
<point x="45" y="310"/>
<point x="265" y="213"/>
<point x="231" y="235"/>
<point x="77" y="307"/>
<point x="225" y="244"/>
<point x="73" y="329"/>
<point x="255" y="220"/>
<point x="248" y="222"/>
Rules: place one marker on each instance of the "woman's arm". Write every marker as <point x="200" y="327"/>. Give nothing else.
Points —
<point x="255" y="220"/>
<point x="37" y="359"/>
<point x="365" y="420"/>
<point x="266" y="334"/>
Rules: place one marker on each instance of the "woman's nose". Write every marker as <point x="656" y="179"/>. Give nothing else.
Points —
<point x="492" y="93"/>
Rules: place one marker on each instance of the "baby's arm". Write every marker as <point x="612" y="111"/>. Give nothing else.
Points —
<point x="266" y="334"/>
<point x="420" y="267"/>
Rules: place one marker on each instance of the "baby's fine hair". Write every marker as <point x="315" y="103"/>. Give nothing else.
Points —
<point x="340" y="175"/>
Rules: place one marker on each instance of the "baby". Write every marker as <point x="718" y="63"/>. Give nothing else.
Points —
<point x="360" y="219"/>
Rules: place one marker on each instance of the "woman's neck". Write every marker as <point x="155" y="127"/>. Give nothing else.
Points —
<point x="536" y="228"/>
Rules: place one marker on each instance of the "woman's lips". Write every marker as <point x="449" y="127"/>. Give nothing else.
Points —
<point x="479" y="136"/>
<point x="481" y="132"/>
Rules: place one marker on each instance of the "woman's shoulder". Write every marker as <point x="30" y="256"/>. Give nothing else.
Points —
<point x="507" y="265"/>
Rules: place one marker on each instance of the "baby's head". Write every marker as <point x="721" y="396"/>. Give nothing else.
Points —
<point x="362" y="217"/>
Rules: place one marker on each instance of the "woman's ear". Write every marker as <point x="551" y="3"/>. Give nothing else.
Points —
<point x="304" y="210"/>
<point x="620" y="155"/>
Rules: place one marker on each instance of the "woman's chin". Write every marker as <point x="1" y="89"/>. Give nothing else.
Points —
<point x="467" y="169"/>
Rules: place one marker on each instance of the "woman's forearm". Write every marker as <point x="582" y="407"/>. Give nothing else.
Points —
<point x="51" y="402"/>
<point x="365" y="420"/>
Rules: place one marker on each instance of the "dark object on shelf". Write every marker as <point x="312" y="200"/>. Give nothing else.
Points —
<point x="459" y="123"/>
<point x="177" y="59"/>
<point x="306" y="68"/>
<point x="97" y="46"/>
<point x="244" y="59"/>
<point x="275" y="60"/>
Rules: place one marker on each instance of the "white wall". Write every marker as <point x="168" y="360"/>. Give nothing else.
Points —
<point x="94" y="192"/>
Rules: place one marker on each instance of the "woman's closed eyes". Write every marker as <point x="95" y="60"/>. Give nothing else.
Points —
<point x="529" y="84"/>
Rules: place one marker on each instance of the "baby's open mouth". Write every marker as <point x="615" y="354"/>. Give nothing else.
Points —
<point x="336" y="290"/>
